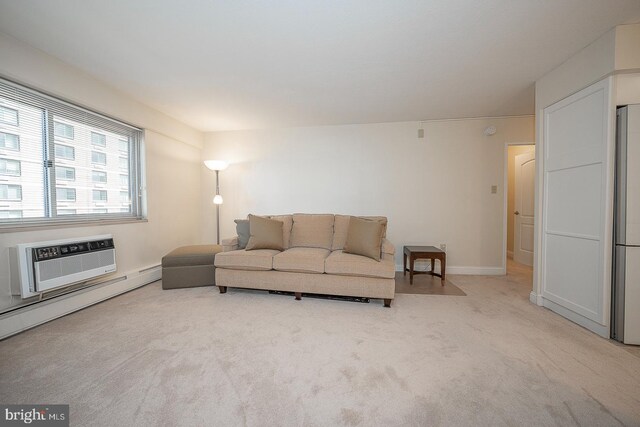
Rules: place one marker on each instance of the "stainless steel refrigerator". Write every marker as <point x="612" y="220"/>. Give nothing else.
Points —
<point x="625" y="314"/>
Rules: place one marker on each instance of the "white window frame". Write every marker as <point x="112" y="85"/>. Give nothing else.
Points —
<point x="12" y="199"/>
<point x="4" y="146"/>
<point x="5" y="172"/>
<point x="59" y="178"/>
<point x="58" y="110"/>
<point x="57" y="125"/>
<point x="100" y="153"/>
<point x="100" y="200"/>
<point x="103" y="139"/>
<point x="7" y="122"/>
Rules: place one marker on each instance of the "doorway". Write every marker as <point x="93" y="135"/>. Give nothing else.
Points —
<point x="519" y="205"/>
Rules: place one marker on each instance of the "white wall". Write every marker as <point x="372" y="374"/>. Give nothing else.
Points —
<point x="433" y="190"/>
<point x="173" y="156"/>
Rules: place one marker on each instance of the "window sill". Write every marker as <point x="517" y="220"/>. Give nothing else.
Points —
<point x="75" y="222"/>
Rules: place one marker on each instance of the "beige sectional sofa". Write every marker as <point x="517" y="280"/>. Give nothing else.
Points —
<point x="312" y="262"/>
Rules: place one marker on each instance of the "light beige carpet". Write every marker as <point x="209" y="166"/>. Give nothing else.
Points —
<point x="196" y="357"/>
<point x="425" y="284"/>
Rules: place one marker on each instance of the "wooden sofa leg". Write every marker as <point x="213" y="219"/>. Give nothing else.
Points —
<point x="387" y="302"/>
<point x="223" y="289"/>
<point x="298" y="296"/>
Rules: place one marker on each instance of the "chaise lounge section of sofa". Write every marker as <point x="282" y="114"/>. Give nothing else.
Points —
<point x="313" y="261"/>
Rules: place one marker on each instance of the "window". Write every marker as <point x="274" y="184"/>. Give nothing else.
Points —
<point x="8" y="116"/>
<point x="99" y="177"/>
<point x="10" y="192"/>
<point x="99" y="195"/>
<point x="10" y="214"/>
<point x="65" y="173"/>
<point x="65" y="194"/>
<point x="9" y="167"/>
<point x="9" y="141"/>
<point x="98" y="139"/>
<point x="98" y="158"/>
<point x="65" y="152"/>
<point x="60" y="145"/>
<point x="63" y="130"/>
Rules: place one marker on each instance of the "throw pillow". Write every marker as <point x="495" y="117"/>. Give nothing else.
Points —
<point x="264" y="234"/>
<point x="364" y="237"/>
<point x="242" y="230"/>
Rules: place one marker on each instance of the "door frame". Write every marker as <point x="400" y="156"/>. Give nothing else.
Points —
<point x="505" y="197"/>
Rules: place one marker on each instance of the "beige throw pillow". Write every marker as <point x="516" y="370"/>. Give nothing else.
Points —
<point x="364" y="237"/>
<point x="264" y="233"/>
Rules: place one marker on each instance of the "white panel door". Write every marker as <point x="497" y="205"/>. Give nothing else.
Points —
<point x="525" y="175"/>
<point x="577" y="207"/>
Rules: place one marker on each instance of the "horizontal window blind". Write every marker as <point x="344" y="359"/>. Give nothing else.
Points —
<point x="58" y="157"/>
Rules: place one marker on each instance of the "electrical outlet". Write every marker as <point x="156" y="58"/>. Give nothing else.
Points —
<point x="443" y="246"/>
<point x="494" y="189"/>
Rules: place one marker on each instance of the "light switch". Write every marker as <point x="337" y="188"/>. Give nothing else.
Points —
<point x="420" y="133"/>
<point x="494" y="189"/>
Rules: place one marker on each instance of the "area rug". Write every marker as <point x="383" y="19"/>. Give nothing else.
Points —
<point x="425" y="284"/>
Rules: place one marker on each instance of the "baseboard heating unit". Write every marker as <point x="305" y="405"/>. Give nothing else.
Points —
<point x="45" y="266"/>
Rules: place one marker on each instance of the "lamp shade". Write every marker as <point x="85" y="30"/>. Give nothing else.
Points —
<point x="216" y="165"/>
<point x="217" y="199"/>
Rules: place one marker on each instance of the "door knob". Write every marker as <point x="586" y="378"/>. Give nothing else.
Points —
<point x="516" y="213"/>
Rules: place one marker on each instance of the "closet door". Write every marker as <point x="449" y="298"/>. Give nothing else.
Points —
<point x="577" y="206"/>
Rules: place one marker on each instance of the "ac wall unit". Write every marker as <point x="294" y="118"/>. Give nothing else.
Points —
<point x="44" y="266"/>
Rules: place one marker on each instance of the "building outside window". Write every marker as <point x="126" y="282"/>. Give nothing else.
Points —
<point x="10" y="214"/>
<point x="98" y="158"/>
<point x="98" y="139"/>
<point x="66" y="211"/>
<point x="63" y="130"/>
<point x="8" y="116"/>
<point x="10" y="192"/>
<point x="99" y="195"/>
<point x="64" y="173"/>
<point x="10" y="167"/>
<point x="99" y="177"/>
<point x="124" y="163"/>
<point x="66" y="194"/>
<point x="65" y="152"/>
<point x="9" y="141"/>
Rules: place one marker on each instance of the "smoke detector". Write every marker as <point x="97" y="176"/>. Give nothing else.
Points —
<point x="490" y="130"/>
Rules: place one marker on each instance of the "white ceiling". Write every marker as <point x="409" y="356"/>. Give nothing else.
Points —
<point x="222" y="65"/>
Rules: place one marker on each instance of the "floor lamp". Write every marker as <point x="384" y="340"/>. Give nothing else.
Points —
<point x="217" y="166"/>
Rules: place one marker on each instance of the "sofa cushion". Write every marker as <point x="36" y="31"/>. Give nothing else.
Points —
<point x="364" y="238"/>
<point x="264" y="233"/>
<point x="242" y="230"/>
<point x="287" y="223"/>
<point x="345" y="264"/>
<point x="312" y="231"/>
<point x="341" y="227"/>
<point x="260" y="259"/>
<point x="304" y="260"/>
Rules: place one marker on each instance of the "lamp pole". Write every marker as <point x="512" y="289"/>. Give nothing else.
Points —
<point x="217" y="209"/>
<point x="217" y="166"/>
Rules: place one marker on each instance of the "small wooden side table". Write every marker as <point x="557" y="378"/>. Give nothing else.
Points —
<point x="424" y="252"/>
